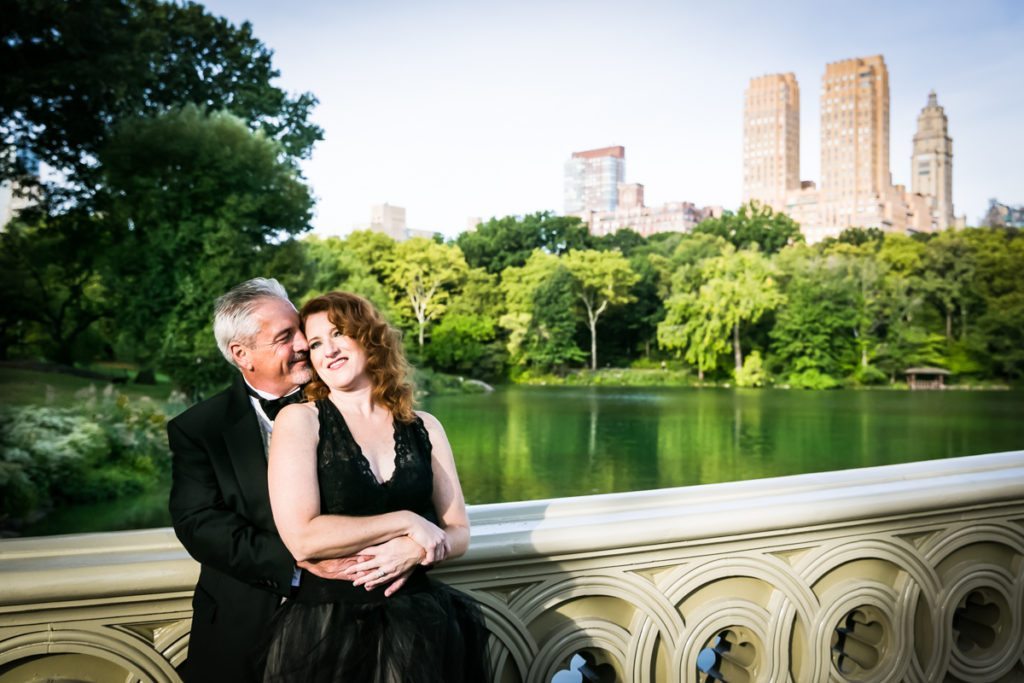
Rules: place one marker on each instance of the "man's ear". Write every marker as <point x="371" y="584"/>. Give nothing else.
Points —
<point x="240" y="353"/>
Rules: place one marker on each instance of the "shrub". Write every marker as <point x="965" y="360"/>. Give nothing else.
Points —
<point x="752" y="374"/>
<point x="869" y="374"/>
<point x="812" y="379"/>
<point x="106" y="447"/>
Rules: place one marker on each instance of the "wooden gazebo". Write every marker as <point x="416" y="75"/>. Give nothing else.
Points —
<point x="926" y="378"/>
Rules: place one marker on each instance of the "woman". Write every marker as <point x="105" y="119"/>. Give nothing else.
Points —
<point x="357" y="472"/>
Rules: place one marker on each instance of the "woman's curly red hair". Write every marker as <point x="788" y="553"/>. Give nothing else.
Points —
<point x="357" y="318"/>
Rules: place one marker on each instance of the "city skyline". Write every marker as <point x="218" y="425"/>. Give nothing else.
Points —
<point x="458" y="110"/>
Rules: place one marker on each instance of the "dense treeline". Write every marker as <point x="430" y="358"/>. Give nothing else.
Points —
<point x="741" y="298"/>
<point x="523" y="297"/>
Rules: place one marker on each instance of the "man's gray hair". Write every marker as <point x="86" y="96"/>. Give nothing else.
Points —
<point x="233" y="318"/>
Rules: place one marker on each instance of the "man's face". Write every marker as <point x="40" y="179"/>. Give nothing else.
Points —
<point x="277" y="360"/>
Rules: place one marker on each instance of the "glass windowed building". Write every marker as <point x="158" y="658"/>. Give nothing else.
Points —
<point x="592" y="179"/>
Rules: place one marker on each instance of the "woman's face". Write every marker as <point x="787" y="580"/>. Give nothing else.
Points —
<point x="339" y="360"/>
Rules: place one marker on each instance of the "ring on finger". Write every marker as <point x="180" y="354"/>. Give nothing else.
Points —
<point x="381" y="573"/>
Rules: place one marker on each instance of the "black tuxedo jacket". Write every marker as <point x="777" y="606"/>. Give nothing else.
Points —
<point x="220" y="508"/>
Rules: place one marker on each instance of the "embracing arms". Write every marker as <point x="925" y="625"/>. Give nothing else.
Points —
<point x="295" y="500"/>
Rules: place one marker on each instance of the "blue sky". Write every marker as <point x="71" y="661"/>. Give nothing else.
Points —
<point x="454" y="109"/>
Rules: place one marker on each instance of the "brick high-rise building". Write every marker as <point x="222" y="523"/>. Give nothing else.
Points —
<point x="856" y="188"/>
<point x="592" y="179"/>
<point x="856" y="183"/>
<point x="931" y="166"/>
<point x="771" y="139"/>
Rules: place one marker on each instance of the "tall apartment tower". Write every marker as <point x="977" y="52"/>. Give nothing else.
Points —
<point x="931" y="170"/>
<point x="771" y="139"/>
<point x="855" y="180"/>
<point x="592" y="179"/>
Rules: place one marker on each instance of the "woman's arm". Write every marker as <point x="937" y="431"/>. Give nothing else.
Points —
<point x="451" y="511"/>
<point x="295" y="500"/>
<point x="448" y="499"/>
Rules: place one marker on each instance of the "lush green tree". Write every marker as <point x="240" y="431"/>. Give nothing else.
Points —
<point x="753" y="224"/>
<point x="197" y="203"/>
<point x="78" y="77"/>
<point x="695" y="329"/>
<point x="694" y="247"/>
<point x="601" y="279"/>
<point x="375" y="249"/>
<point x="333" y="264"/>
<point x="744" y="285"/>
<point x="550" y="343"/>
<point x="903" y="254"/>
<point x="857" y="237"/>
<point x="466" y="340"/>
<point x="518" y="284"/>
<point x="735" y="288"/>
<point x="540" y="317"/>
<point x="1002" y="327"/>
<point x="503" y="242"/>
<point x="463" y="343"/>
<point x="865" y="278"/>
<point x="73" y="70"/>
<point x="811" y="329"/>
<point x="423" y="274"/>
<point x="998" y="255"/>
<point x="949" y="275"/>
<point x="629" y="330"/>
<point x="53" y="292"/>
<point x="690" y="326"/>
<point x="623" y="240"/>
<point x="885" y="304"/>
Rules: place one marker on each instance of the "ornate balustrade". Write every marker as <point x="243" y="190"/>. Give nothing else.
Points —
<point x="901" y="573"/>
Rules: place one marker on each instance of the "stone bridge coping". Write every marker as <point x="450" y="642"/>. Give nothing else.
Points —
<point x="98" y="566"/>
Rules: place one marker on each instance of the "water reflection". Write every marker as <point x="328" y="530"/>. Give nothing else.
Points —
<point x="523" y="443"/>
<point x="536" y="442"/>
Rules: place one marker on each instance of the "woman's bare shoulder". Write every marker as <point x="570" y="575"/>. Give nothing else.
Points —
<point x="297" y="413"/>
<point x="429" y="421"/>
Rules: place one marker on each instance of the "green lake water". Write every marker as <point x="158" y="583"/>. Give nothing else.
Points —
<point x="522" y="443"/>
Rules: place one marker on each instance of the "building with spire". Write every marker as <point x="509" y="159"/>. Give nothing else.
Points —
<point x="931" y="166"/>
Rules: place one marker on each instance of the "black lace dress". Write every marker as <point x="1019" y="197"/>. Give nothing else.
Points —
<point x="332" y="631"/>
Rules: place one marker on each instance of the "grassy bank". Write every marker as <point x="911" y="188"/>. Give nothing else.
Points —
<point x="616" y="377"/>
<point x="679" y="377"/>
<point x="56" y="389"/>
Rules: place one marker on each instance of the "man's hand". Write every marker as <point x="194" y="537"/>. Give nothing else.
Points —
<point x="389" y="563"/>
<point x="431" y="538"/>
<point x="332" y="568"/>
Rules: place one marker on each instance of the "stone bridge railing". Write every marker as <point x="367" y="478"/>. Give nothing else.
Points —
<point x="901" y="573"/>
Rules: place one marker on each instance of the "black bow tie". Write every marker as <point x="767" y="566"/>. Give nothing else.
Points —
<point x="272" y="406"/>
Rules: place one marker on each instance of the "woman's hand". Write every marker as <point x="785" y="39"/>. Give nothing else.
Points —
<point x="388" y="563"/>
<point x="431" y="538"/>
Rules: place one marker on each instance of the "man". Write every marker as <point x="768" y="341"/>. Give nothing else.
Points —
<point x="219" y="502"/>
